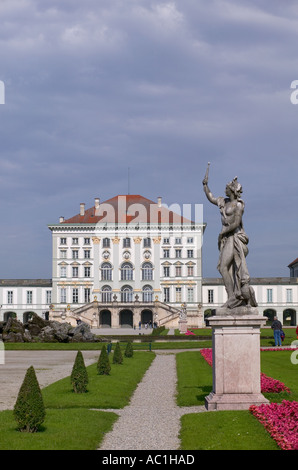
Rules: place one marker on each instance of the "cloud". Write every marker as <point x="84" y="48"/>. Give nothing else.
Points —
<point x="162" y="87"/>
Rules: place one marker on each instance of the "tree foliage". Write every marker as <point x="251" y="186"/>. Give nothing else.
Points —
<point x="29" y="410"/>
<point x="79" y="375"/>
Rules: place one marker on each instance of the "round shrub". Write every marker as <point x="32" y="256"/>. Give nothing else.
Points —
<point x="29" y="410"/>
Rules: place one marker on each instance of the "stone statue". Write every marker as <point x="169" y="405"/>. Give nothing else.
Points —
<point x="183" y="312"/>
<point x="232" y="244"/>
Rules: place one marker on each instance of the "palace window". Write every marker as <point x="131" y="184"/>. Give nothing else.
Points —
<point x="29" y="296"/>
<point x="75" y="296"/>
<point x="178" y="294"/>
<point x="166" y="294"/>
<point x="87" y="254"/>
<point x="178" y="271"/>
<point x="106" y="272"/>
<point x="87" y="271"/>
<point x="147" y="294"/>
<point x="127" y="294"/>
<point x="63" y="271"/>
<point x="86" y="241"/>
<point x="190" y="294"/>
<point x="190" y="270"/>
<point x="147" y="242"/>
<point x="106" y="243"/>
<point x="75" y="241"/>
<point x="269" y="295"/>
<point x="189" y="253"/>
<point x="75" y="254"/>
<point x="62" y="241"/>
<point x="10" y="297"/>
<point x="289" y="295"/>
<point x="126" y="272"/>
<point x="126" y="242"/>
<point x="147" y="272"/>
<point x="48" y="297"/>
<point x="210" y="296"/>
<point x="63" y="254"/>
<point x="166" y="271"/>
<point x="166" y="253"/>
<point x="87" y="295"/>
<point x="63" y="295"/>
<point x="178" y="253"/>
<point x="106" y="294"/>
<point x="75" y="271"/>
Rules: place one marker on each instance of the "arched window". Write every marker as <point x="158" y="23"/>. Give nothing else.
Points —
<point x="106" y="243"/>
<point x="106" y="272"/>
<point x="127" y="294"/>
<point x="126" y="272"/>
<point x="147" y="272"/>
<point x="106" y="294"/>
<point x="147" y="294"/>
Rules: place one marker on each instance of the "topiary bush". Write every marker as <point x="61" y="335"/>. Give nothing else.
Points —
<point x="79" y="375"/>
<point x="29" y="410"/>
<point x="117" y="356"/>
<point x="128" y="350"/>
<point x="103" y="363"/>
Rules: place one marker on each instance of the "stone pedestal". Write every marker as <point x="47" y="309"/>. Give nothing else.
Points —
<point x="182" y="326"/>
<point x="236" y="360"/>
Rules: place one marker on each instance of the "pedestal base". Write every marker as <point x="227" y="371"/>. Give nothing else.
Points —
<point x="233" y="401"/>
<point x="182" y="326"/>
<point x="236" y="362"/>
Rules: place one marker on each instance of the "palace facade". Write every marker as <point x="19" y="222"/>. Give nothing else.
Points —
<point x="130" y="260"/>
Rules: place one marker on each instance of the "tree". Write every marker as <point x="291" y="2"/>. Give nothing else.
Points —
<point x="29" y="410"/>
<point x="128" y="350"/>
<point x="79" y="375"/>
<point x="117" y="356"/>
<point x="103" y="363"/>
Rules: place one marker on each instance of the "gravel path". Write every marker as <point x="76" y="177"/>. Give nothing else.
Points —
<point x="50" y="366"/>
<point x="152" y="419"/>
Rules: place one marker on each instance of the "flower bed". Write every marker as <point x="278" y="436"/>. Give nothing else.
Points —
<point x="268" y="385"/>
<point x="281" y="421"/>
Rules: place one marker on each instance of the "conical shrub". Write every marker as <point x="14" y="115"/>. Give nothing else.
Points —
<point x="29" y="410"/>
<point x="79" y="375"/>
<point x="128" y="350"/>
<point x="117" y="356"/>
<point x="103" y="363"/>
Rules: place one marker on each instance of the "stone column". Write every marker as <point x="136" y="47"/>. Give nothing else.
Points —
<point x="236" y="361"/>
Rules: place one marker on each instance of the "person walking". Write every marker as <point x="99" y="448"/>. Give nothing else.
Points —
<point x="277" y="327"/>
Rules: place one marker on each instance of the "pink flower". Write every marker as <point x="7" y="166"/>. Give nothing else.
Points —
<point x="281" y="421"/>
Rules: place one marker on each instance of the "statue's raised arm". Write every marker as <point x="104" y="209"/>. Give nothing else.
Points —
<point x="208" y="193"/>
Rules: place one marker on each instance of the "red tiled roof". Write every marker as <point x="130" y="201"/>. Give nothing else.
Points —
<point x="126" y="209"/>
<point x="293" y="262"/>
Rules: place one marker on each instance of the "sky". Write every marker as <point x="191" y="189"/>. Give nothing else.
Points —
<point x="160" y="87"/>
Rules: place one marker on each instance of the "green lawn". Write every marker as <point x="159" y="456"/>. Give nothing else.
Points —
<point x="104" y="391"/>
<point x="226" y="430"/>
<point x="64" y="429"/>
<point x="71" y="422"/>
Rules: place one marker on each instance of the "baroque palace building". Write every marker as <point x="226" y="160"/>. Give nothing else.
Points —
<point x="130" y="260"/>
